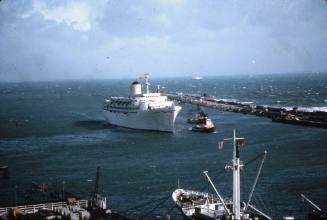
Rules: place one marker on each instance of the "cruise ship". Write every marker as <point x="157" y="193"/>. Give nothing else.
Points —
<point x="142" y="110"/>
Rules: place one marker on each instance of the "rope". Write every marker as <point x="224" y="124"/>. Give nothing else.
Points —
<point x="223" y="173"/>
<point x="163" y="202"/>
<point x="256" y="196"/>
<point x="145" y="204"/>
<point x="171" y="209"/>
<point x="254" y="159"/>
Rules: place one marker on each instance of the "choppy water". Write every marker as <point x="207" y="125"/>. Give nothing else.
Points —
<point x="54" y="131"/>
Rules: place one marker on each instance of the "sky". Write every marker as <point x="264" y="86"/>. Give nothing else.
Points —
<point x="104" y="39"/>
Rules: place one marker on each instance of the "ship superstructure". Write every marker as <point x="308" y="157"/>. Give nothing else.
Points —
<point x="142" y="110"/>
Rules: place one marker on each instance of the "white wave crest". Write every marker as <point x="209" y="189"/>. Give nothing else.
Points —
<point x="309" y="109"/>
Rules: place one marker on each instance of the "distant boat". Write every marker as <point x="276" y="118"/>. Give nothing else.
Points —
<point x="197" y="77"/>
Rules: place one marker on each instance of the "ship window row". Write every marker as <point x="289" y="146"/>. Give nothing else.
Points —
<point x="116" y="105"/>
<point x="108" y="107"/>
<point x="121" y="103"/>
<point x="123" y="108"/>
<point x="120" y="107"/>
<point x="118" y="111"/>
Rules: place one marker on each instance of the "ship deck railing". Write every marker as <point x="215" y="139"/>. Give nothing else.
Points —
<point x="30" y="209"/>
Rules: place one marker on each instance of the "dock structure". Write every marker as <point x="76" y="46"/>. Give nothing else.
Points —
<point x="70" y="207"/>
<point x="32" y="209"/>
<point x="294" y="116"/>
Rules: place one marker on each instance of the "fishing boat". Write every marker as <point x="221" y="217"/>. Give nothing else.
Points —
<point x="201" y="205"/>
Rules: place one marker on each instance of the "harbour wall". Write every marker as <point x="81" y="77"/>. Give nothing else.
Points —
<point x="294" y="116"/>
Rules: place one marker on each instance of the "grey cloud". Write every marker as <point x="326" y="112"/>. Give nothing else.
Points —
<point x="126" y="38"/>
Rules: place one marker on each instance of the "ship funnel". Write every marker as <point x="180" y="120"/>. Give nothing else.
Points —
<point x="136" y="89"/>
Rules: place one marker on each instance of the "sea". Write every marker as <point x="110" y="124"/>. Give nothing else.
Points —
<point x="55" y="133"/>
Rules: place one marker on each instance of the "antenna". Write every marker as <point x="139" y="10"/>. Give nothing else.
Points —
<point x="63" y="190"/>
<point x="96" y="184"/>
<point x="158" y="88"/>
<point x="147" y="83"/>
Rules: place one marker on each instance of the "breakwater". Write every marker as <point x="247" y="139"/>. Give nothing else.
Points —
<point x="294" y="116"/>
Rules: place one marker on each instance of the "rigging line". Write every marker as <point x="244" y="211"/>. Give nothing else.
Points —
<point x="253" y="159"/>
<point x="245" y="189"/>
<point x="171" y="209"/>
<point x="246" y="173"/>
<point x="146" y="214"/>
<point x="256" y="179"/>
<point x="257" y="196"/>
<point x="144" y="204"/>
<point x="247" y="180"/>
<point x="220" y="174"/>
<point x="264" y="206"/>
<point x="224" y="180"/>
<point x="195" y="183"/>
<point x="213" y="179"/>
<point x="140" y="206"/>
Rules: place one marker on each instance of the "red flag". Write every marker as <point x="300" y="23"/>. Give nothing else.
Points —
<point x="43" y="187"/>
<point x="240" y="142"/>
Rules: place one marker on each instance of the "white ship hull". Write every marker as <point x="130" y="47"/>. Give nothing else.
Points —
<point x="157" y="119"/>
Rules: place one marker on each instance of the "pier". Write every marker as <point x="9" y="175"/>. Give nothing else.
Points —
<point x="294" y="116"/>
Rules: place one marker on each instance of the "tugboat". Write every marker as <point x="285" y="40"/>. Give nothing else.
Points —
<point x="198" y="118"/>
<point x="206" y="125"/>
<point x="201" y="122"/>
<point x="200" y="205"/>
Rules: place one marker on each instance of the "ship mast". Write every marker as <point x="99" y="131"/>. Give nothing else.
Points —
<point x="236" y="167"/>
<point x="147" y="83"/>
<point x="236" y="178"/>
